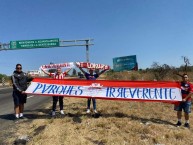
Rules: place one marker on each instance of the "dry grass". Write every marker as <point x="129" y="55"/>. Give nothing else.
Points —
<point x="120" y="123"/>
<point x="142" y="75"/>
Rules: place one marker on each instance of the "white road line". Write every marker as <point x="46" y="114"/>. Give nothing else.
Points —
<point x="30" y="96"/>
<point x="4" y="88"/>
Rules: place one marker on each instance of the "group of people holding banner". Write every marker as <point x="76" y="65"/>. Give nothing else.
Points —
<point x="20" y="80"/>
<point x="60" y="75"/>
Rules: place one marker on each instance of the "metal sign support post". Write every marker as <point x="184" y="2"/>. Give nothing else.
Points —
<point x="87" y="50"/>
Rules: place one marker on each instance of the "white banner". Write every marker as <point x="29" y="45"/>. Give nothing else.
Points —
<point x="101" y="90"/>
<point x="73" y="64"/>
<point x="59" y="65"/>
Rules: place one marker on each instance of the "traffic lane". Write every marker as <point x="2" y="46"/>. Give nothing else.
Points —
<point x="6" y="101"/>
<point x="5" y="97"/>
<point x="37" y="107"/>
<point x="34" y="105"/>
<point x="5" y="90"/>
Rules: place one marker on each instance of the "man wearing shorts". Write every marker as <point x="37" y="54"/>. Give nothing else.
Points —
<point x="19" y="80"/>
<point x="185" y="104"/>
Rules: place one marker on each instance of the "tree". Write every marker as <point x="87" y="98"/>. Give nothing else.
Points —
<point x="186" y="66"/>
<point x="3" y="76"/>
<point x="160" y="71"/>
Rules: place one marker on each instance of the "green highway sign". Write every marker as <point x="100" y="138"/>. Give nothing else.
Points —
<point x="38" y="43"/>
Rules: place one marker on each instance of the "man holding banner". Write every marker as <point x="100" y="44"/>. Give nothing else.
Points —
<point x="186" y="90"/>
<point x="20" y="81"/>
<point x="58" y="75"/>
<point x="91" y="76"/>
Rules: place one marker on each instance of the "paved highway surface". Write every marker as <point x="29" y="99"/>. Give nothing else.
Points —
<point x="34" y="105"/>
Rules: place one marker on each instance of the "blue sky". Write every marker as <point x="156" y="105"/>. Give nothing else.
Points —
<point x="154" y="30"/>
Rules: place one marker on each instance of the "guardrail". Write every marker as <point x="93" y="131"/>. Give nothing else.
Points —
<point x="5" y="84"/>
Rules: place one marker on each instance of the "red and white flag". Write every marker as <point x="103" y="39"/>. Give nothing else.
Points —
<point x="80" y="64"/>
<point x="93" y="65"/>
<point x="59" y="65"/>
<point x="107" y="89"/>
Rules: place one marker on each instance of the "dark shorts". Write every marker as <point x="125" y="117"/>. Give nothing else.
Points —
<point x="186" y="106"/>
<point x="19" y="98"/>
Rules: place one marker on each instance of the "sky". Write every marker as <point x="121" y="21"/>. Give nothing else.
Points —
<point x="154" y="30"/>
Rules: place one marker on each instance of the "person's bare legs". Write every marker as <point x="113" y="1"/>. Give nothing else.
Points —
<point x="21" y="108"/>
<point x="179" y="115"/>
<point x="186" y="116"/>
<point x="17" y="111"/>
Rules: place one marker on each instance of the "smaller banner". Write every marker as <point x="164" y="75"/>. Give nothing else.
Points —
<point x="105" y="89"/>
<point x="93" y="65"/>
<point x="79" y="64"/>
<point x="59" y="65"/>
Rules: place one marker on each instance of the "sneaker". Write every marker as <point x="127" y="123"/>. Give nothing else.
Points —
<point x="21" y="117"/>
<point x="178" y="124"/>
<point x="88" y="111"/>
<point x="62" y="112"/>
<point x="53" y="113"/>
<point x="187" y="125"/>
<point x="95" y="111"/>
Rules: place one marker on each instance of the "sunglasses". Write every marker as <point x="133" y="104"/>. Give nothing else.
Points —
<point x="19" y="68"/>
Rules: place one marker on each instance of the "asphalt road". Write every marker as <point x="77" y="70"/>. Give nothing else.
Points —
<point x="33" y="108"/>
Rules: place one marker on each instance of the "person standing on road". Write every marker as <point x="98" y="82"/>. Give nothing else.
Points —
<point x="58" y="75"/>
<point x="91" y="76"/>
<point x="185" y="104"/>
<point x="20" y="80"/>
